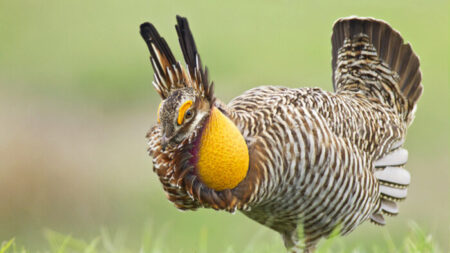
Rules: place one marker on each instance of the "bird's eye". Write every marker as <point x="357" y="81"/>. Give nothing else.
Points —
<point x="188" y="114"/>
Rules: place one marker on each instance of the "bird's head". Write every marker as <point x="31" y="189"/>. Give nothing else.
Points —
<point x="201" y="139"/>
<point x="181" y="114"/>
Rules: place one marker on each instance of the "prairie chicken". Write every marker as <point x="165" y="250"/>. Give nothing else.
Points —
<point x="301" y="161"/>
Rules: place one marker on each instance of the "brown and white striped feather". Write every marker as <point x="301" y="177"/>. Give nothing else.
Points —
<point x="317" y="159"/>
<point x="315" y="168"/>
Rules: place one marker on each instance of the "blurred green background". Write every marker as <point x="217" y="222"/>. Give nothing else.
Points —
<point x="76" y="101"/>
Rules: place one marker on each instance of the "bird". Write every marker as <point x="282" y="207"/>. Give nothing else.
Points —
<point x="302" y="161"/>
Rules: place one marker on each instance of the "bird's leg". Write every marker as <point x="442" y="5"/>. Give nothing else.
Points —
<point x="300" y="248"/>
<point x="298" y="242"/>
<point x="294" y="241"/>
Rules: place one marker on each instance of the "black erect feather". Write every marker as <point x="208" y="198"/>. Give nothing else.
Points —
<point x="169" y="74"/>
<point x="192" y="57"/>
<point x="187" y="44"/>
<point x="151" y="36"/>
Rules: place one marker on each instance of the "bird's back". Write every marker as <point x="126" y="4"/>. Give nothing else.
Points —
<point x="324" y="159"/>
<point x="314" y="150"/>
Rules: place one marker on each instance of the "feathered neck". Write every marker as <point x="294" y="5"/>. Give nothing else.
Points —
<point x="209" y="173"/>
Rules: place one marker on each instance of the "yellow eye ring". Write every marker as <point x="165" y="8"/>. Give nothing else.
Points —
<point x="157" y="112"/>
<point x="183" y="108"/>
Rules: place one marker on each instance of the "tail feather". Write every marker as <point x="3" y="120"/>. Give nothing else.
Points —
<point x="393" y="176"/>
<point x="376" y="47"/>
<point x="393" y="181"/>
<point x="378" y="219"/>
<point x="393" y="158"/>
<point x="389" y="207"/>
<point x="393" y="193"/>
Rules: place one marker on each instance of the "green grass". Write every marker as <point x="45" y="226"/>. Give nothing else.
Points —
<point x="417" y="241"/>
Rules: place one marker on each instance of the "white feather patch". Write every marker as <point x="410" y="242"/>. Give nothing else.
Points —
<point x="394" y="175"/>
<point x="389" y="206"/>
<point x="378" y="218"/>
<point x="393" y="192"/>
<point x="396" y="157"/>
<point x="397" y="144"/>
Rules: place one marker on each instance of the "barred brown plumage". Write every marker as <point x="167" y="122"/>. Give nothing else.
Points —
<point x="318" y="160"/>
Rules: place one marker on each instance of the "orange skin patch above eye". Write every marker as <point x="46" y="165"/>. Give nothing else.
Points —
<point x="183" y="108"/>
<point x="157" y="112"/>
